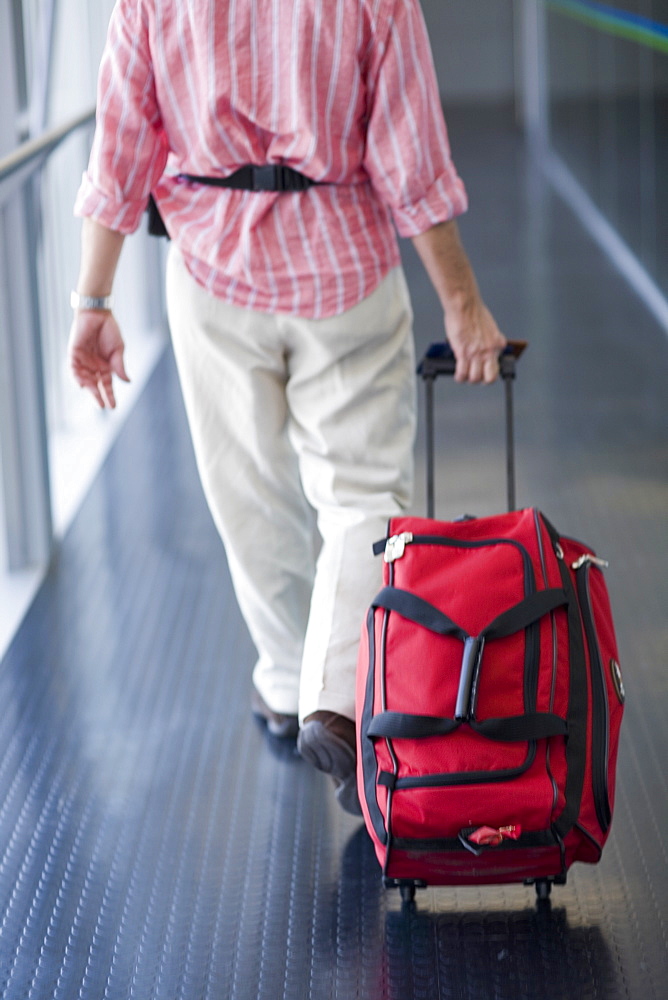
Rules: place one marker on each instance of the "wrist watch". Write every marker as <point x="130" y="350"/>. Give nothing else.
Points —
<point x="90" y="301"/>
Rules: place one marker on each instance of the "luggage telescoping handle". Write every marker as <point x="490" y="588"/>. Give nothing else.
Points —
<point x="440" y="360"/>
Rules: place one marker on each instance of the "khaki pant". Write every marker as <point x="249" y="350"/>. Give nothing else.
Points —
<point x="303" y="432"/>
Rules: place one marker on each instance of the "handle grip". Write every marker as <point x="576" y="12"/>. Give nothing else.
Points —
<point x="440" y="360"/>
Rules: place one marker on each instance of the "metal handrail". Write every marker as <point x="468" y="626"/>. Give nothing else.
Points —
<point x="35" y="150"/>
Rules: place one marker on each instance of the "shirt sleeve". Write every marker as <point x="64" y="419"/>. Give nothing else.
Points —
<point x="129" y="150"/>
<point x="408" y="152"/>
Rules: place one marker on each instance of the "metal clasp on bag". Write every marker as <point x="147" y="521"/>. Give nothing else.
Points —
<point x="396" y="546"/>
<point x="588" y="558"/>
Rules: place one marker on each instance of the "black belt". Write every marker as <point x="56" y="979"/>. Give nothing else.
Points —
<point x="268" y="177"/>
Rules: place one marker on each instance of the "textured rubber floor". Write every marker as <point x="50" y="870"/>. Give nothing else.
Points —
<point x="154" y="844"/>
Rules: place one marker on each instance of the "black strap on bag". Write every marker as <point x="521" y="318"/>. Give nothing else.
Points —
<point x="516" y="728"/>
<point x="156" y="225"/>
<point x="251" y="177"/>
<point x="514" y="619"/>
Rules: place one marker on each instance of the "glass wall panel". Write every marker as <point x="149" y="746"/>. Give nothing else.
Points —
<point x="49" y="57"/>
<point x="62" y="44"/>
<point x="79" y="26"/>
<point x="60" y="88"/>
<point x="659" y="116"/>
<point x="608" y="101"/>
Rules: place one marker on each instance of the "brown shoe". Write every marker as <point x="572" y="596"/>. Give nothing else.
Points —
<point x="327" y="741"/>
<point x="285" y="727"/>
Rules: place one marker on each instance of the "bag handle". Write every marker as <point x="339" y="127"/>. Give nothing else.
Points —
<point x="440" y="360"/>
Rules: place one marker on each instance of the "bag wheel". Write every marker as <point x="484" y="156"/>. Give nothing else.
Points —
<point x="407" y="890"/>
<point x="543" y="889"/>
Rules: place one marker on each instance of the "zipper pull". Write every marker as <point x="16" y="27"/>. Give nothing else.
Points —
<point x="593" y="560"/>
<point x="396" y="546"/>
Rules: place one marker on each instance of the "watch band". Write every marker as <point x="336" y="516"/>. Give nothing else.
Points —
<point x="90" y="301"/>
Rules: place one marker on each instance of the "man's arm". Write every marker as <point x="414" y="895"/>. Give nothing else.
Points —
<point x="470" y="327"/>
<point x="96" y="345"/>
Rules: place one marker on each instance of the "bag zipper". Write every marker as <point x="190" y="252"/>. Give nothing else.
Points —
<point x="553" y="625"/>
<point x="459" y="778"/>
<point x="395" y="546"/>
<point x="600" y="707"/>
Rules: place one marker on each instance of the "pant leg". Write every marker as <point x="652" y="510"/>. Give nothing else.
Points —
<point x="351" y="393"/>
<point x="232" y="368"/>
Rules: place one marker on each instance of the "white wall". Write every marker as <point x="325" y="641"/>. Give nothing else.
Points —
<point x="472" y="41"/>
<point x="80" y="26"/>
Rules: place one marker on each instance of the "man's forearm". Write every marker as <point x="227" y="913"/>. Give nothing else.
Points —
<point x="470" y="327"/>
<point x="100" y="250"/>
<point x="447" y="265"/>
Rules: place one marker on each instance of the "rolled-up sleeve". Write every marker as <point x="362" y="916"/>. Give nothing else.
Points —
<point x="129" y="149"/>
<point x="408" y="151"/>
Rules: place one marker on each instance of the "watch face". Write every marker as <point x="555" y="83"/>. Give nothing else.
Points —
<point x="618" y="680"/>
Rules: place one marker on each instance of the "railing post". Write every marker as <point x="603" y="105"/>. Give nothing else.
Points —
<point x="531" y="71"/>
<point x="23" y="429"/>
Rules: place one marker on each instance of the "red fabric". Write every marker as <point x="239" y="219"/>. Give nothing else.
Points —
<point x="417" y="672"/>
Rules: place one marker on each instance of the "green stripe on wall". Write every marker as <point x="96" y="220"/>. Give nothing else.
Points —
<point x="609" y="24"/>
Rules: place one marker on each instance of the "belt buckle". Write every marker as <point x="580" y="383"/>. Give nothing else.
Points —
<point x="264" y="178"/>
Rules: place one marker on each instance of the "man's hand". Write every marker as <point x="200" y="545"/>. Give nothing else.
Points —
<point x="476" y="342"/>
<point x="96" y="353"/>
<point x="96" y="346"/>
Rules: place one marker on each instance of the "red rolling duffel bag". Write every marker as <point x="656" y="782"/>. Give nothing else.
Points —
<point x="489" y="704"/>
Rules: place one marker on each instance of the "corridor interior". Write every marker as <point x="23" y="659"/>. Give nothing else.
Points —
<point x="155" y="844"/>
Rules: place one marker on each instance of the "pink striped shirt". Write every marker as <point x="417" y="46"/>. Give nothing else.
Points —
<point x="342" y="90"/>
